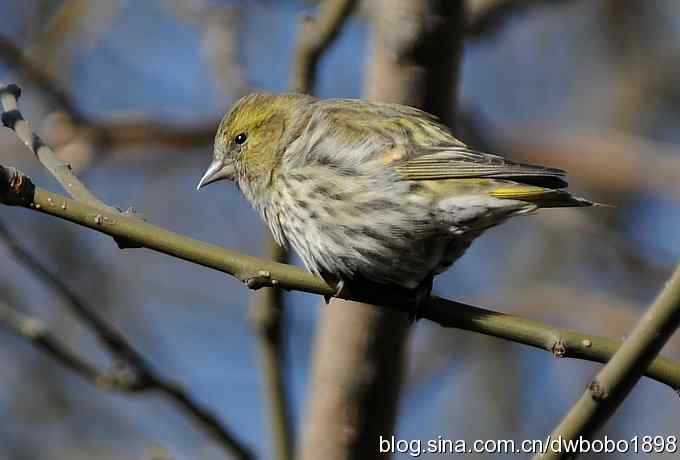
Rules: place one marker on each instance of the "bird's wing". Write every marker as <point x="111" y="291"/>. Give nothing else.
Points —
<point x="420" y="147"/>
<point x="459" y="162"/>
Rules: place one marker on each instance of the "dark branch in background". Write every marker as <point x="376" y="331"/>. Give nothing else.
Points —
<point x="618" y="377"/>
<point x="106" y="134"/>
<point x="316" y="34"/>
<point x="486" y="17"/>
<point x="17" y="189"/>
<point x="35" y="331"/>
<point x="131" y="372"/>
<point x="267" y="319"/>
<point x="314" y="37"/>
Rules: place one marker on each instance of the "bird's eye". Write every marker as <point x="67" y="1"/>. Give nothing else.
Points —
<point x="240" y="139"/>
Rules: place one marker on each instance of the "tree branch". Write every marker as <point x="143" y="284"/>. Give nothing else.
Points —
<point x="12" y="118"/>
<point x="33" y="330"/>
<point x="316" y="34"/>
<point x="17" y="189"/>
<point x="618" y="377"/>
<point x="267" y="320"/>
<point x="562" y="343"/>
<point x="131" y="372"/>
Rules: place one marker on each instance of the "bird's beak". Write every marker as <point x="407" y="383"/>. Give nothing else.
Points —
<point x="217" y="170"/>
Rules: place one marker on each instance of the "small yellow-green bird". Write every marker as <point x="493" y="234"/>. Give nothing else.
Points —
<point x="373" y="191"/>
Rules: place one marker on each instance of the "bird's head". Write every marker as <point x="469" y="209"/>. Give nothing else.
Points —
<point x="252" y="137"/>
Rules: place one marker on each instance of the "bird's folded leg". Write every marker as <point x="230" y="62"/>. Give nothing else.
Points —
<point x="341" y="291"/>
<point x="421" y="294"/>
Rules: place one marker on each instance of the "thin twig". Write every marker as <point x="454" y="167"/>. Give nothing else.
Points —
<point x="316" y="34"/>
<point x="13" y="119"/>
<point x="267" y="320"/>
<point x="132" y="373"/>
<point x="618" y="377"/>
<point x="16" y="189"/>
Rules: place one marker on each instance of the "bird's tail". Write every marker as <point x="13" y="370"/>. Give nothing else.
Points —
<point x="542" y="197"/>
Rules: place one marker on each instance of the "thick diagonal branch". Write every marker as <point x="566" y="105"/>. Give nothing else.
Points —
<point x="617" y="378"/>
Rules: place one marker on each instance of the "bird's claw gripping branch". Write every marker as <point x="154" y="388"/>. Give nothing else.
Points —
<point x="16" y="188"/>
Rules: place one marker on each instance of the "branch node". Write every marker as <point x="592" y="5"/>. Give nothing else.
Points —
<point x="308" y="20"/>
<point x="123" y="377"/>
<point x="559" y="348"/>
<point x="598" y="391"/>
<point x="12" y="89"/>
<point x="131" y="211"/>
<point x="263" y="278"/>
<point x="32" y="328"/>
<point x="11" y="118"/>
<point x="125" y="243"/>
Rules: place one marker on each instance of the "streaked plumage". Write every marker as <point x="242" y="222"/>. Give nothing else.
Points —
<point x="372" y="190"/>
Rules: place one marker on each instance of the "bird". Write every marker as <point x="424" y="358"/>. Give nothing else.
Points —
<point x="371" y="191"/>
